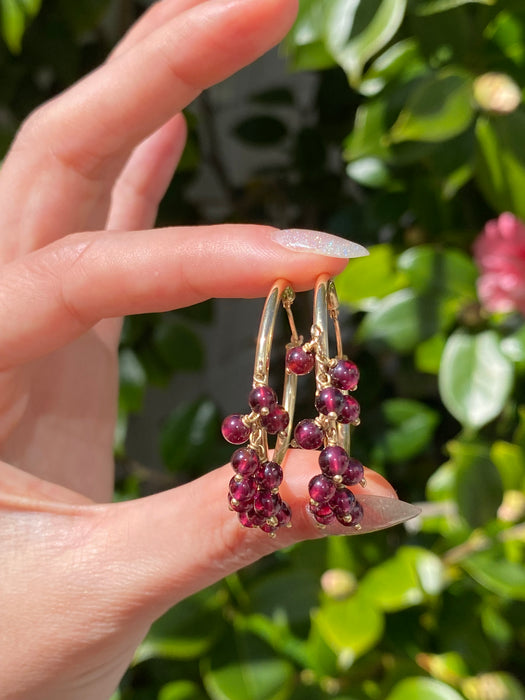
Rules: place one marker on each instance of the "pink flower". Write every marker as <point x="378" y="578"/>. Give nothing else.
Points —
<point x="500" y="254"/>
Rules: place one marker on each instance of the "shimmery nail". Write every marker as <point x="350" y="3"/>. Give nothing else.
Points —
<point x="305" y="241"/>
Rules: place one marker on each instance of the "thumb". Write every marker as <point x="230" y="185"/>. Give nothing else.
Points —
<point x="180" y="541"/>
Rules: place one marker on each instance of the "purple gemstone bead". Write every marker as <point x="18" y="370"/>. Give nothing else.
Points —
<point x="308" y="435"/>
<point x="333" y="461"/>
<point x="269" y="529"/>
<point x="262" y="397"/>
<point x="298" y="361"/>
<point x="323" y="514"/>
<point x="350" y="411"/>
<point x="356" y="513"/>
<point x="284" y="516"/>
<point x="276" y="420"/>
<point x="266" y="503"/>
<point x="234" y="430"/>
<point x="342" y="502"/>
<point x="354" y="472"/>
<point x="345" y="375"/>
<point x="329" y="400"/>
<point x="270" y="475"/>
<point x="239" y="506"/>
<point x="244" y="489"/>
<point x="245" y="461"/>
<point x="321" y="488"/>
<point x="245" y="520"/>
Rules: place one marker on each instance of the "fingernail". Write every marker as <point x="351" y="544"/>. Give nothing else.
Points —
<point x="305" y="241"/>
<point x="379" y="513"/>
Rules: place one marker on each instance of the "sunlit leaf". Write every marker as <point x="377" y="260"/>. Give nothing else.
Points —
<point x="411" y="425"/>
<point x="357" y="29"/>
<point x="431" y="7"/>
<point x="497" y="574"/>
<point x="450" y="271"/>
<point x="419" y="688"/>
<point x="402" y="60"/>
<point x="15" y="16"/>
<point x="475" y="377"/>
<point x="439" y="108"/>
<point x="181" y="690"/>
<point x="510" y="461"/>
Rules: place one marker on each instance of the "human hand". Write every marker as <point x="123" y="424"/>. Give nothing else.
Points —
<point x="82" y="578"/>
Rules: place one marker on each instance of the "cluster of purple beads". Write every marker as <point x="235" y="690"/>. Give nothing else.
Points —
<point x="254" y="489"/>
<point x="330" y="499"/>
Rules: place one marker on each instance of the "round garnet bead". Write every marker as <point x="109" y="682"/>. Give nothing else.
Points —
<point x="239" y="506"/>
<point x="354" y="472"/>
<point x="356" y="513"/>
<point x="333" y="461"/>
<point x="245" y="520"/>
<point x="350" y="411"/>
<point x="342" y="502"/>
<point x="284" y="516"/>
<point x="242" y="490"/>
<point x="321" y="488"/>
<point x="234" y="430"/>
<point x="276" y="420"/>
<point x="266" y="503"/>
<point x="344" y="375"/>
<point x="270" y="475"/>
<point x="245" y="461"/>
<point x="329" y="400"/>
<point x="262" y="397"/>
<point x="298" y="361"/>
<point x="308" y="434"/>
<point x="322" y="513"/>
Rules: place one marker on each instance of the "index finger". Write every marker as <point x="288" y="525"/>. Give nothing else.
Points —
<point x="71" y="149"/>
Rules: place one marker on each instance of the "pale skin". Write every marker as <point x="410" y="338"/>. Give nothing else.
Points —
<point x="83" y="579"/>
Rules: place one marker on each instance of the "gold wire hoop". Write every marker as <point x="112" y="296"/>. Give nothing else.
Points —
<point x="326" y="303"/>
<point x="280" y="293"/>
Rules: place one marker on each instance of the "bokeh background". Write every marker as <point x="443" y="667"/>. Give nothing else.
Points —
<point x="399" y="124"/>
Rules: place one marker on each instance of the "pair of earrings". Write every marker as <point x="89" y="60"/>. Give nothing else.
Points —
<point x="254" y="488"/>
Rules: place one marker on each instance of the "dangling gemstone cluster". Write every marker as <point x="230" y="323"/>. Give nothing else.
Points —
<point x="330" y="497"/>
<point x="254" y="488"/>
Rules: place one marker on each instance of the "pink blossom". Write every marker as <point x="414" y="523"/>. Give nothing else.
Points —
<point x="500" y="254"/>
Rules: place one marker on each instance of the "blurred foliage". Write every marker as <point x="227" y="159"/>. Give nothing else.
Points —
<point x="421" y="102"/>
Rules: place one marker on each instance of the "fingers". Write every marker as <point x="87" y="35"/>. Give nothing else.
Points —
<point x="71" y="150"/>
<point x="55" y="294"/>
<point x="146" y="176"/>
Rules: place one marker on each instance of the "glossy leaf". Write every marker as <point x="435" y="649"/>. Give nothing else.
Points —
<point x="431" y="7"/>
<point x="366" y="138"/>
<point x="475" y="378"/>
<point x="246" y="668"/>
<point x="15" y="15"/>
<point x="510" y="462"/>
<point x="419" y="688"/>
<point x="188" y="434"/>
<point x="497" y="574"/>
<point x="351" y="626"/>
<point x="402" y="60"/>
<point x="500" y="168"/>
<point x="370" y="172"/>
<point x="428" y="354"/>
<point x="439" y="108"/>
<point x="411" y="425"/>
<point x="181" y="690"/>
<point x="479" y="490"/>
<point x="403" y="319"/>
<point x="370" y="278"/>
<point x="304" y="45"/>
<point x="357" y="29"/>
<point x="442" y="271"/>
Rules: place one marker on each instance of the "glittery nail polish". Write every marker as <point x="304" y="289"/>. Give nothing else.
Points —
<point x="306" y="241"/>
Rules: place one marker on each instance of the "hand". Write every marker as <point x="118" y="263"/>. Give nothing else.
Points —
<point x="82" y="578"/>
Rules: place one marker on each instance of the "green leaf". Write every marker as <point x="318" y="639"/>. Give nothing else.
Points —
<point x="403" y="581"/>
<point x="402" y="60"/>
<point x="189" y="434"/>
<point x="243" y="667"/>
<point x="497" y="574"/>
<point x="261" y="130"/>
<point x="132" y="381"/>
<point x="419" y="688"/>
<point x="369" y="172"/>
<point x="187" y="630"/>
<point x="514" y="346"/>
<point x="510" y="461"/>
<point x="432" y="7"/>
<point x="404" y="319"/>
<point x="366" y="138"/>
<point x="439" y="108"/>
<point x="412" y="425"/>
<point x="440" y="271"/>
<point x="427" y="357"/>
<point x="368" y="279"/>
<point x="479" y="490"/>
<point x="356" y="30"/>
<point x="350" y="627"/>
<point x="178" y="347"/>
<point x="500" y="165"/>
<point x="181" y="690"/>
<point x="15" y="16"/>
<point x="475" y="378"/>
